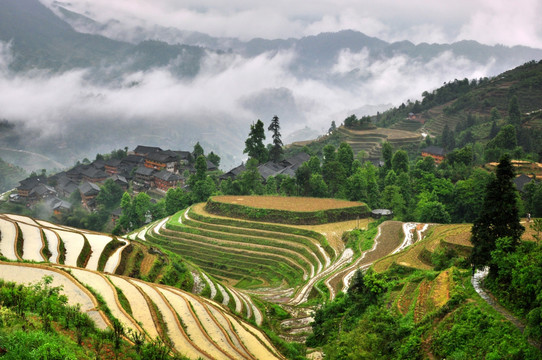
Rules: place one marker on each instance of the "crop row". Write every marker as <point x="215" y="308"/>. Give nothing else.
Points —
<point x="194" y="327"/>
<point x="231" y="259"/>
<point x="285" y="216"/>
<point x="22" y="238"/>
<point x="279" y="231"/>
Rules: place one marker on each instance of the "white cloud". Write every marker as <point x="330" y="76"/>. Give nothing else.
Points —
<point x="491" y="21"/>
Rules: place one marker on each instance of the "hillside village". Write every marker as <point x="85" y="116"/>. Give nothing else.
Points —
<point x="144" y="169"/>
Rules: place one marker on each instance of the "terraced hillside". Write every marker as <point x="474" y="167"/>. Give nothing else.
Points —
<point x="453" y="238"/>
<point x="243" y="253"/>
<point x="193" y="326"/>
<point x="371" y="140"/>
<point x="23" y="238"/>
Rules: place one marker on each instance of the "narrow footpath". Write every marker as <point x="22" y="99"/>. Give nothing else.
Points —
<point x="477" y="281"/>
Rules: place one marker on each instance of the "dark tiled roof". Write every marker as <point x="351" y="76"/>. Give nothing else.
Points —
<point x="31" y="182"/>
<point x="167" y="176"/>
<point x="163" y="157"/>
<point x="89" y="189"/>
<point x="113" y="162"/>
<point x="145" y="171"/>
<point x="522" y="180"/>
<point x="119" y="178"/>
<point x="142" y="149"/>
<point x="298" y="159"/>
<point x="133" y="159"/>
<point x="94" y="173"/>
<point x="42" y="189"/>
<point x="435" y="150"/>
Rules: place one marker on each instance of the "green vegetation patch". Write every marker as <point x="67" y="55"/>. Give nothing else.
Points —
<point x="20" y="242"/>
<point x="85" y="254"/>
<point x="45" y="251"/>
<point x="108" y="250"/>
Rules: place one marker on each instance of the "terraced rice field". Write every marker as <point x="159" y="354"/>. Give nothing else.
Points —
<point x="62" y="242"/>
<point x="286" y="203"/>
<point x="239" y="254"/>
<point x="416" y="256"/>
<point x="33" y="242"/>
<point x="77" y="294"/>
<point x="8" y="236"/>
<point x="196" y="327"/>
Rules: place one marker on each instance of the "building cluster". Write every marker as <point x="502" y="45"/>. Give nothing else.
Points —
<point x="285" y="167"/>
<point x="145" y="167"/>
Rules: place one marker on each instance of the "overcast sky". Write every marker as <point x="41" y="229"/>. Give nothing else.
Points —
<point x="487" y="21"/>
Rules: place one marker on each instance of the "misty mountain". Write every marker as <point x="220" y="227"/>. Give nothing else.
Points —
<point x="71" y="87"/>
<point x="40" y="39"/>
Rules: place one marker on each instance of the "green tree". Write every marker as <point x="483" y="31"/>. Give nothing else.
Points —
<point x="514" y="114"/>
<point x="109" y="195"/>
<point x="254" y="145"/>
<point x="214" y="158"/>
<point x="318" y="187"/>
<point x="302" y="177"/>
<point x="198" y="151"/>
<point x="387" y="153"/>
<point x="345" y="156"/>
<point x="276" y="150"/>
<point x="448" y="140"/>
<point x="399" y="162"/>
<point x="499" y="217"/>
<point x="201" y="169"/>
<point x="250" y="179"/>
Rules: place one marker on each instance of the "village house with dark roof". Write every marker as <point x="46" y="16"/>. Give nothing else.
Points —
<point x="164" y="180"/>
<point x="112" y="166"/>
<point x="436" y="152"/>
<point x="143" y="176"/>
<point x="94" y="175"/>
<point x="28" y="184"/>
<point x="41" y="192"/>
<point x="143" y="150"/>
<point x="233" y="173"/>
<point x="88" y="191"/>
<point x="521" y="180"/>
<point x="285" y="167"/>
<point x="162" y="160"/>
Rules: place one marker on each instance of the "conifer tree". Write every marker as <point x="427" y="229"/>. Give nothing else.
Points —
<point x="254" y="145"/>
<point x="276" y="150"/>
<point x="499" y="216"/>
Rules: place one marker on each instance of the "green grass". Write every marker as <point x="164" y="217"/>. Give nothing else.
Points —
<point x="85" y="254"/>
<point x="108" y="250"/>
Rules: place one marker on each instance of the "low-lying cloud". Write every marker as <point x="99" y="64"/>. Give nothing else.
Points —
<point x="70" y="111"/>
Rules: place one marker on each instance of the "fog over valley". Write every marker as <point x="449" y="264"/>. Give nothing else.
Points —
<point x="70" y="94"/>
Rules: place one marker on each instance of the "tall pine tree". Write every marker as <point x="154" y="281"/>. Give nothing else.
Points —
<point x="499" y="216"/>
<point x="276" y="151"/>
<point x="254" y="145"/>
